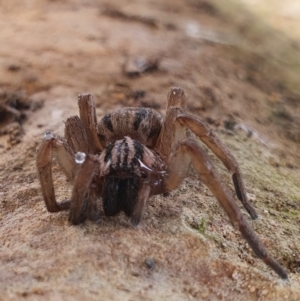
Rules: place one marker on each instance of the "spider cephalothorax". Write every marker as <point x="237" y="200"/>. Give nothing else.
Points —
<point x="135" y="153"/>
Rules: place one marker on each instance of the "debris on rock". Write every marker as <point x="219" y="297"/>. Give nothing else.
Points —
<point x="13" y="107"/>
<point x="118" y="14"/>
<point x="134" y="67"/>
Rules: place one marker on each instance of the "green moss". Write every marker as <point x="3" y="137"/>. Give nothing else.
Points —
<point x="202" y="225"/>
<point x="291" y="213"/>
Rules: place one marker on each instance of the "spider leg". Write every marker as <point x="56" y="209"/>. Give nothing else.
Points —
<point x="88" y="117"/>
<point x="172" y="131"/>
<point x="208" y="137"/>
<point x="83" y="200"/>
<point x="75" y="135"/>
<point x="58" y="146"/>
<point x="211" y="179"/>
<point x="63" y="150"/>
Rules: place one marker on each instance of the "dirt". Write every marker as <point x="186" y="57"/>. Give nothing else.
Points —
<point x="130" y="55"/>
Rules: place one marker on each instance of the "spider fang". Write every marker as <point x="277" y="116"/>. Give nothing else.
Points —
<point x="155" y="177"/>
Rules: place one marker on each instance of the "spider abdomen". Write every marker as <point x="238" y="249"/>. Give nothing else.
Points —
<point x="143" y="125"/>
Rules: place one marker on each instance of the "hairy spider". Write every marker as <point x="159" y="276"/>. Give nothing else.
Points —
<point x="133" y="154"/>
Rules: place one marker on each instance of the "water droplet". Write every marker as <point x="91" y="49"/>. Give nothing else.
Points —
<point x="80" y="157"/>
<point x="48" y="135"/>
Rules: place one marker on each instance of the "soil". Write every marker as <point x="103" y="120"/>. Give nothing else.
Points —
<point x="130" y="54"/>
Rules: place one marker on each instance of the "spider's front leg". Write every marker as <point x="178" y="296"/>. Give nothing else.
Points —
<point x="54" y="145"/>
<point x="87" y="113"/>
<point x="84" y="195"/>
<point x="64" y="150"/>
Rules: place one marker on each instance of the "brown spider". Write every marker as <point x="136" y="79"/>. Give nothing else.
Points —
<point x="133" y="154"/>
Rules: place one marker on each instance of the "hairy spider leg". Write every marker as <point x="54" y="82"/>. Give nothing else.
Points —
<point x="54" y="145"/>
<point x="64" y="150"/>
<point x="84" y="200"/>
<point x="211" y="140"/>
<point x="180" y="151"/>
<point x="211" y="179"/>
<point x="171" y="135"/>
<point x="87" y="113"/>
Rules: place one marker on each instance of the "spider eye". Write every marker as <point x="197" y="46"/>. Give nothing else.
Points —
<point x="80" y="157"/>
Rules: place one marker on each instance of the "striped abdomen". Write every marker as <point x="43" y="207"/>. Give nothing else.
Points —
<point x="140" y="124"/>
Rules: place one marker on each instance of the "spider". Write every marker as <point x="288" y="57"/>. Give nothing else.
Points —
<point x="134" y="153"/>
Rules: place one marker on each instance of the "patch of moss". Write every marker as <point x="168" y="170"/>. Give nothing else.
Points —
<point x="202" y="225"/>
